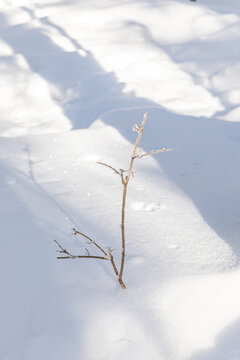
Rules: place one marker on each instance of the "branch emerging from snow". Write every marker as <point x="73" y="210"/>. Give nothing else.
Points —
<point x="125" y="176"/>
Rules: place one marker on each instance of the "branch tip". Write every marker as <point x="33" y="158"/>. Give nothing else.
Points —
<point x="109" y="166"/>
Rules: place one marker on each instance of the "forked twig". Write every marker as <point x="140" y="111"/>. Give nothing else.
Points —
<point x="75" y="231"/>
<point x="125" y="182"/>
<point x="125" y="176"/>
<point x="70" y="256"/>
<point x="108" y="255"/>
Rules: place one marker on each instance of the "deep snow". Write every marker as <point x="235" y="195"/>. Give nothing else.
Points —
<point x="74" y="77"/>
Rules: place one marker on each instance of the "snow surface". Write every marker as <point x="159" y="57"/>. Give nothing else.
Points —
<point x="74" y="77"/>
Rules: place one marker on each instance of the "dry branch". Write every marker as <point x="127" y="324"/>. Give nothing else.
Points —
<point x="71" y="256"/>
<point x="75" y="231"/>
<point x="125" y="176"/>
<point x="109" y="166"/>
<point x="152" y="152"/>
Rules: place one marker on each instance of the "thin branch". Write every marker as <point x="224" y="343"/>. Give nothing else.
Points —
<point x="125" y="181"/>
<point x="136" y="127"/>
<point x="60" y="246"/>
<point x="152" y="152"/>
<point x="81" y="257"/>
<point x="87" y="252"/>
<point x="109" y="166"/>
<point x="115" y="268"/>
<point x="108" y="257"/>
<point x="71" y="256"/>
<point x="91" y="241"/>
<point x="113" y="263"/>
<point x="140" y="132"/>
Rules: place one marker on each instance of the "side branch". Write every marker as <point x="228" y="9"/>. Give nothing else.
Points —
<point x="82" y="256"/>
<point x="152" y="152"/>
<point x="109" y="257"/>
<point x="75" y="231"/>
<point x="109" y="166"/>
<point x="71" y="256"/>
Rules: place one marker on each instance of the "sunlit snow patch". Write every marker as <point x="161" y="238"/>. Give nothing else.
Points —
<point x="26" y="104"/>
<point x="147" y="207"/>
<point x="197" y="309"/>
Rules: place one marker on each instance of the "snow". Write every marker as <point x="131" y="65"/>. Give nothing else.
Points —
<point x="74" y="79"/>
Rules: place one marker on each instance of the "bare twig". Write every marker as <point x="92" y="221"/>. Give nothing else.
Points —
<point x="109" y="166"/>
<point x="152" y="152"/>
<point x="108" y="256"/>
<point x="70" y="256"/>
<point x="75" y="231"/>
<point x="81" y="257"/>
<point x="87" y="252"/>
<point x="125" y="181"/>
<point x="125" y="176"/>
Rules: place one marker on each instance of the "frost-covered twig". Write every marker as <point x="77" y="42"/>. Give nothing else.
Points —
<point x="152" y="152"/>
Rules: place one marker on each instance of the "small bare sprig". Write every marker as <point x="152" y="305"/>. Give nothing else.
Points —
<point x="107" y="254"/>
<point x="125" y="176"/>
<point x="152" y="152"/>
<point x="109" y="166"/>
<point x="76" y="232"/>
<point x="71" y="256"/>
